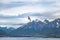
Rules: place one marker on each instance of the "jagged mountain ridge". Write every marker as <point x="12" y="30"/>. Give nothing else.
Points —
<point x="39" y="28"/>
<point x="36" y="28"/>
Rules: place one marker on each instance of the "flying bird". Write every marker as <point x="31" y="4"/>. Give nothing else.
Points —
<point x="29" y="18"/>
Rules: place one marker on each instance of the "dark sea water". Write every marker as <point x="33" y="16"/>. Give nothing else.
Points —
<point x="27" y="38"/>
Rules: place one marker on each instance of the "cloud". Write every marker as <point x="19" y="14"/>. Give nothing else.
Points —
<point x="8" y="1"/>
<point x="16" y="20"/>
<point x="18" y="3"/>
<point x="14" y="11"/>
<point x="22" y="10"/>
<point x="11" y="5"/>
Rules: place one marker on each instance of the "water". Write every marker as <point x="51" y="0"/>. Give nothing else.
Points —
<point x="27" y="38"/>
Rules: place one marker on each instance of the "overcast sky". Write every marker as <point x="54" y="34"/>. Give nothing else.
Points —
<point x="16" y="11"/>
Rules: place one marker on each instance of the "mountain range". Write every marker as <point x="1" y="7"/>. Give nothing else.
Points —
<point x="35" y="28"/>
